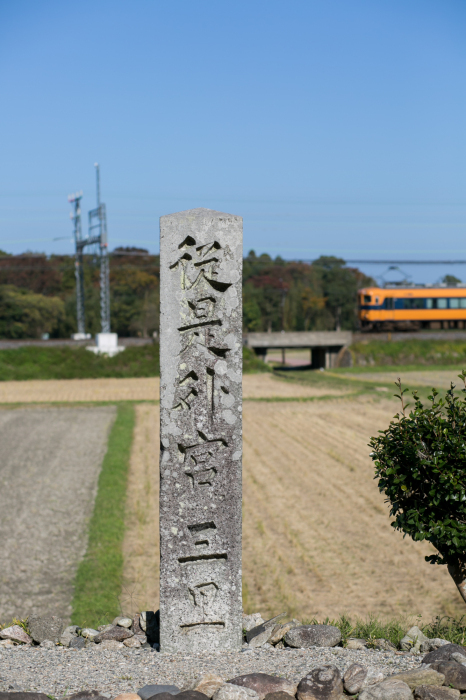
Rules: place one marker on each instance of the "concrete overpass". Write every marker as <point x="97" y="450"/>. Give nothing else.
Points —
<point x="327" y="348"/>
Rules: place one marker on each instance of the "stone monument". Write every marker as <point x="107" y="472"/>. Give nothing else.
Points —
<point x="201" y="256"/>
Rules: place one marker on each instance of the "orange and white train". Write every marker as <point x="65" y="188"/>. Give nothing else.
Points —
<point x="411" y="308"/>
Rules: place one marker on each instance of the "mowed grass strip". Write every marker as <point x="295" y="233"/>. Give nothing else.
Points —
<point x="99" y="576"/>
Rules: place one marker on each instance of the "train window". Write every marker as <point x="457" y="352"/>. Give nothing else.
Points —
<point x="367" y="298"/>
<point x="377" y="300"/>
<point x="413" y="303"/>
<point x="389" y="303"/>
<point x="430" y="303"/>
<point x="454" y="303"/>
<point x="442" y="303"/>
<point x="463" y="303"/>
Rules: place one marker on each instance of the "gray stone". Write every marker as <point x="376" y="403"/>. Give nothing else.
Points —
<point x="148" y="691"/>
<point x="384" y="645"/>
<point x="77" y="643"/>
<point x="419" y="676"/>
<point x="263" y="684"/>
<point x="250" y="621"/>
<point x="413" y="639"/>
<point x="86" y="695"/>
<point x="313" y="636"/>
<point x="322" y="683"/>
<point x="264" y="630"/>
<point x="110" y="645"/>
<point x="48" y="644"/>
<point x="118" y="634"/>
<point x="374" y="675"/>
<point x="133" y="643"/>
<point x="104" y="628"/>
<point x="455" y="673"/>
<point x="16" y="634"/>
<point x="189" y="695"/>
<point x="432" y="692"/>
<point x="229" y="691"/>
<point x="431" y="644"/>
<point x="387" y="690"/>
<point x="42" y="628"/>
<point x="279" y="695"/>
<point x="443" y="653"/>
<point x="89" y="633"/>
<point x="23" y="696"/>
<point x="69" y="633"/>
<point x="201" y="443"/>
<point x="207" y="684"/>
<point x="279" y="631"/>
<point x="354" y="678"/>
<point x="354" y="643"/>
<point x="123" y="622"/>
<point x="459" y="658"/>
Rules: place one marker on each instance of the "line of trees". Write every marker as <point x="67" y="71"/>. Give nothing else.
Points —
<point x="37" y="294"/>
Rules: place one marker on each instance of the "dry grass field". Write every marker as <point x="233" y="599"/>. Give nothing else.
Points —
<point x="439" y="378"/>
<point x="317" y="536"/>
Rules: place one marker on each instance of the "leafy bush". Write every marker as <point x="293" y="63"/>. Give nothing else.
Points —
<point x="24" y="314"/>
<point x="420" y="464"/>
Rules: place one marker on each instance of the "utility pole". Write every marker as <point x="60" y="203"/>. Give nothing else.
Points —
<point x="78" y="265"/>
<point x="98" y="220"/>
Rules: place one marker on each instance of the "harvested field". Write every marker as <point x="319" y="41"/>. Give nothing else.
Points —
<point x="316" y="533"/>
<point x="51" y="459"/>
<point x="438" y="378"/>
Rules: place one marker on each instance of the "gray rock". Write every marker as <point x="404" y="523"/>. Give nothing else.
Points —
<point x="374" y="675"/>
<point x="384" y="645"/>
<point x="432" y="692"/>
<point x="115" y="633"/>
<point x="132" y="642"/>
<point x="431" y="644"/>
<point x="188" y="695"/>
<point x="42" y="628"/>
<point x="77" y="643"/>
<point x="322" y="683"/>
<point x="455" y="673"/>
<point x="264" y="684"/>
<point x="23" y="696"/>
<point x="104" y="628"/>
<point x="354" y="643"/>
<point x="148" y="691"/>
<point x="69" y="633"/>
<point x="265" y="626"/>
<point x="387" y="690"/>
<point x="279" y="631"/>
<point x="110" y="644"/>
<point x="443" y="653"/>
<point x="354" y="678"/>
<point x="123" y="622"/>
<point x="16" y="634"/>
<point x="229" y="691"/>
<point x="459" y="658"/>
<point x="207" y="684"/>
<point x="419" y="676"/>
<point x="86" y="695"/>
<point x="89" y="633"/>
<point x="48" y="644"/>
<point x="413" y="639"/>
<point x="279" y="695"/>
<point x="313" y="636"/>
<point x="250" y="621"/>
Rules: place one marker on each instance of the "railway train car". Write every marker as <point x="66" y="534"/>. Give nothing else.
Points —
<point x="411" y="307"/>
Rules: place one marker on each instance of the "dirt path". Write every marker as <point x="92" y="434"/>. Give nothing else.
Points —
<point x="317" y="539"/>
<point x="49" y="468"/>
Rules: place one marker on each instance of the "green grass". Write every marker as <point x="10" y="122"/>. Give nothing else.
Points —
<point x="99" y="577"/>
<point x="78" y="363"/>
<point x="420" y="353"/>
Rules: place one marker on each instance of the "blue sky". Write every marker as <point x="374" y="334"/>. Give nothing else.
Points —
<point x="333" y="127"/>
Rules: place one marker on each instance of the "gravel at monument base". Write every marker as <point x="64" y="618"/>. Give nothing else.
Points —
<point x="51" y="459"/>
<point x="64" y="671"/>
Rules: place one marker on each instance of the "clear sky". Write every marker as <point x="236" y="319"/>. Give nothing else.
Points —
<point x="333" y="127"/>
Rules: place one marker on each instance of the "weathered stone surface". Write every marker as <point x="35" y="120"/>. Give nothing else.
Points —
<point x="279" y="631"/>
<point x="191" y="695"/>
<point x="207" y="684"/>
<point x="262" y="629"/>
<point x="229" y="691"/>
<point x="413" y="639"/>
<point x="250" y="621"/>
<point x="89" y="633"/>
<point x="127" y="696"/>
<point x="313" y="636"/>
<point x="68" y="634"/>
<point x="419" y="676"/>
<point x="123" y="622"/>
<point x="374" y="675"/>
<point x="384" y="645"/>
<point x="85" y="695"/>
<point x="455" y="673"/>
<point x="280" y="695"/>
<point x="6" y="643"/>
<point x="110" y="644"/>
<point x="459" y="658"/>
<point x="432" y="692"/>
<point x="104" y="628"/>
<point x="116" y="633"/>
<point x="148" y="691"/>
<point x="260" y="637"/>
<point x="322" y="683"/>
<point x="77" y="643"/>
<point x="201" y="443"/>
<point x="354" y="678"/>
<point x="354" y="643"/>
<point x="16" y="634"/>
<point x="42" y="628"/>
<point x="132" y="642"/>
<point x="387" y="690"/>
<point x="47" y="644"/>
<point x="443" y="653"/>
<point x="263" y="684"/>
<point x="431" y="644"/>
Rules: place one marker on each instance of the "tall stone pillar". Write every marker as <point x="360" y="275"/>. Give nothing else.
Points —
<point x="201" y="431"/>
